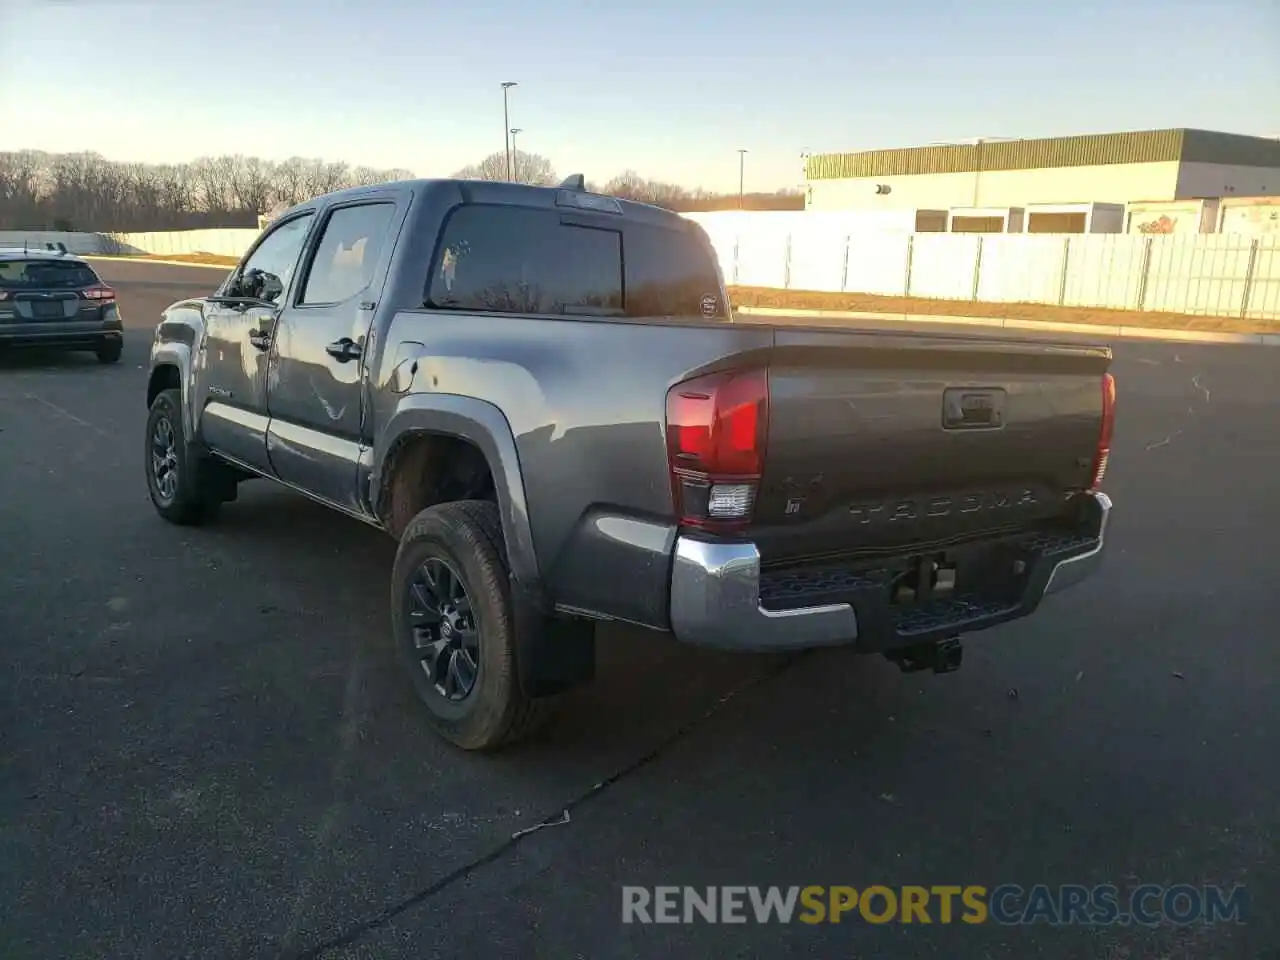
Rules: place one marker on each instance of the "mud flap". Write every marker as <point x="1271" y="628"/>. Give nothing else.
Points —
<point x="553" y="655"/>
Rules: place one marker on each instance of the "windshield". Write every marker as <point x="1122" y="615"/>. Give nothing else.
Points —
<point x="45" y="274"/>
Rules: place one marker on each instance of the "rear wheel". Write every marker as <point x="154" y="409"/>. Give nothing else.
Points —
<point x="454" y="626"/>
<point x="109" y="351"/>
<point x="177" y="477"/>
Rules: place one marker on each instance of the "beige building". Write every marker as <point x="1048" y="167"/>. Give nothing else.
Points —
<point x="1117" y="168"/>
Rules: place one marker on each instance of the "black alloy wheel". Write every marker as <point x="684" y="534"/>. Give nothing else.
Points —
<point x="444" y="629"/>
<point x="178" y="480"/>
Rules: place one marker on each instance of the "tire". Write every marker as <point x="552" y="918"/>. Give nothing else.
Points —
<point x="465" y="538"/>
<point x="109" y="351"/>
<point x="191" y="499"/>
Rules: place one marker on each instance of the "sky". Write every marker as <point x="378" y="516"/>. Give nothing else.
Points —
<point x="669" y="88"/>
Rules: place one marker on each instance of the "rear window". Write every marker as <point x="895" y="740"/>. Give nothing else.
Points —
<point x="671" y="273"/>
<point x="45" y="274"/>
<point x="514" y="260"/>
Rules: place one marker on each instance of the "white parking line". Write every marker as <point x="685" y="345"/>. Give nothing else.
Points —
<point x="68" y="415"/>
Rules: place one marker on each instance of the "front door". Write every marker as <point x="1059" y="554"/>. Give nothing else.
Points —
<point x="232" y="362"/>
<point x="315" y="394"/>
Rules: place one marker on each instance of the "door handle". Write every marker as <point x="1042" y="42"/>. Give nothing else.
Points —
<point x="343" y="350"/>
<point x="260" y="339"/>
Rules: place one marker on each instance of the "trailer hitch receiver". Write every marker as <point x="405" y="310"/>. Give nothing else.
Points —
<point x="942" y="656"/>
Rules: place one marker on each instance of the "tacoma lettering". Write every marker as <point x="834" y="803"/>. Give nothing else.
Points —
<point x="943" y="506"/>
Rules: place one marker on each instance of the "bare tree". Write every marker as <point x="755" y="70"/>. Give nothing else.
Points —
<point x="213" y="176"/>
<point x="631" y="186"/>
<point x="526" y="167"/>
<point x="322" y="177"/>
<point x="290" y="182"/>
<point x="252" y="184"/>
<point x="177" y="190"/>
<point x="85" y="191"/>
<point x="23" y="185"/>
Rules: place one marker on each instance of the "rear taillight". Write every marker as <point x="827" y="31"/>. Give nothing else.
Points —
<point x="717" y="426"/>
<point x="101" y="294"/>
<point x="1105" y="432"/>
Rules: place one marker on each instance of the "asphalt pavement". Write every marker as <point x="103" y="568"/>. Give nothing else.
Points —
<point x="206" y="749"/>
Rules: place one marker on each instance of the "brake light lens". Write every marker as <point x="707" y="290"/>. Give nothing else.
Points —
<point x="717" y="426"/>
<point x="100" y="294"/>
<point x="1106" y="431"/>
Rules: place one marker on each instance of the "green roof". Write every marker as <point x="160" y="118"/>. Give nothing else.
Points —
<point x="1144" y="146"/>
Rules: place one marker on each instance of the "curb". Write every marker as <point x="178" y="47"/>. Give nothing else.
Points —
<point x="1095" y="329"/>
<point x="168" y="263"/>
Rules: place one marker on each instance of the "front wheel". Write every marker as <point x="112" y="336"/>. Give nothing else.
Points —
<point x="454" y="626"/>
<point x="176" y="477"/>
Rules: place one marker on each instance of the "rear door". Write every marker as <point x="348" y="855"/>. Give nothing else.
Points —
<point x="316" y="389"/>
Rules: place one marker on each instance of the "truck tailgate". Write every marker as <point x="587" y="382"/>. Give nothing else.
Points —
<point x="876" y="443"/>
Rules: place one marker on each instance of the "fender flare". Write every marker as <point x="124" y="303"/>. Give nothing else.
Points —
<point x="176" y="354"/>
<point x="484" y="425"/>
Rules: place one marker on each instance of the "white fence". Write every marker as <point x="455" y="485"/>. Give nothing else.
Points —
<point x="81" y="243"/>
<point x="1222" y="274"/>
<point x="229" y="242"/>
<point x="1219" y="274"/>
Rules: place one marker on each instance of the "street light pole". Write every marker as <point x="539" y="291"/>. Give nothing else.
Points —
<point x="515" y="153"/>
<point x="742" y="157"/>
<point x="506" y="123"/>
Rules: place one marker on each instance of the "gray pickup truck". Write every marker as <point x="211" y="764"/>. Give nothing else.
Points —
<point x="543" y="394"/>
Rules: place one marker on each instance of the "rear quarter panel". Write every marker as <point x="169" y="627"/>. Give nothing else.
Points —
<point x="585" y="401"/>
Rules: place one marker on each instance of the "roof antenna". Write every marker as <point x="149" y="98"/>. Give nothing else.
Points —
<point x="575" y="181"/>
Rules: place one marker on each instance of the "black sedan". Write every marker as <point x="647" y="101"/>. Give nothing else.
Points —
<point x="53" y="299"/>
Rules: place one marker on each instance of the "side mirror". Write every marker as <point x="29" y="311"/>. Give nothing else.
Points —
<point x="270" y="287"/>
<point x="257" y="284"/>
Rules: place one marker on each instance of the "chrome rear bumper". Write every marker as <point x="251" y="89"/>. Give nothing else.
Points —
<point x="716" y="598"/>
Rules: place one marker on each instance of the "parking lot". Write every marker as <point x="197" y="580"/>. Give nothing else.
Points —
<point x="206" y="749"/>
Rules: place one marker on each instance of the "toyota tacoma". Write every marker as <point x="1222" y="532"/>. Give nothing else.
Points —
<point x="544" y="396"/>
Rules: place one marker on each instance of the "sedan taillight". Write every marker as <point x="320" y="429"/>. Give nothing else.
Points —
<point x="99" y="294"/>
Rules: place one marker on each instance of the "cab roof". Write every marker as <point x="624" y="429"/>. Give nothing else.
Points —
<point x="570" y="192"/>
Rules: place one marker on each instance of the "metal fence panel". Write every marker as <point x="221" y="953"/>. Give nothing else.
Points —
<point x="1198" y="274"/>
<point x="1104" y="270"/>
<point x="1021" y="269"/>
<point x="817" y="258"/>
<point x="1264" y="288"/>
<point x="877" y="264"/>
<point x="943" y="265"/>
<point x="762" y="256"/>
<point x="228" y="242"/>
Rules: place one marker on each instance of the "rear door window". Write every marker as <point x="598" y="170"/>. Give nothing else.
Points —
<point x="518" y="260"/>
<point x="40" y="273"/>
